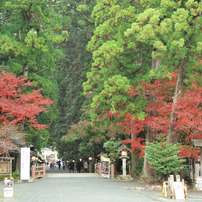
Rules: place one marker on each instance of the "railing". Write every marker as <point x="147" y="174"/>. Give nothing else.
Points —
<point x="38" y="171"/>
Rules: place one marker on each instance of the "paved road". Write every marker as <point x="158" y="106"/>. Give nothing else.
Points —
<point x="81" y="187"/>
<point x="71" y="189"/>
<point x="61" y="186"/>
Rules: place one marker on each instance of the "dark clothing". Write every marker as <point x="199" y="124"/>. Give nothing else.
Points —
<point x="78" y="167"/>
<point x="71" y="166"/>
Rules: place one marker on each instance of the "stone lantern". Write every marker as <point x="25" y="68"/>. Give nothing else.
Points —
<point x="124" y="156"/>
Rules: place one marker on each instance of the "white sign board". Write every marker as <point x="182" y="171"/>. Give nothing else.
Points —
<point x="8" y="192"/>
<point x="179" y="190"/>
<point x="25" y="164"/>
<point x="8" y="188"/>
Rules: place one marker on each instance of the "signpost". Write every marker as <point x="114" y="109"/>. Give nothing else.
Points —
<point x="25" y="164"/>
<point x="6" y="165"/>
<point x="6" y="169"/>
<point x="105" y="167"/>
<point x="8" y="187"/>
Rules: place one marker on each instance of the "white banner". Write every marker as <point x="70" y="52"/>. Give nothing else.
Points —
<point x="25" y="164"/>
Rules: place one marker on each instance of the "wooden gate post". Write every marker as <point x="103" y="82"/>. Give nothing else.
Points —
<point x="33" y="171"/>
<point x="44" y="170"/>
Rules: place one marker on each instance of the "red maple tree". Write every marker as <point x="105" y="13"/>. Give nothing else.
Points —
<point x="16" y="106"/>
<point x="187" y="110"/>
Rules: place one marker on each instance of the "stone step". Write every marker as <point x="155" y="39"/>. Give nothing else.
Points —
<point x="126" y="178"/>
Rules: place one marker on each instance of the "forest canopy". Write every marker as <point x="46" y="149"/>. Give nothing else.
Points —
<point x="109" y="72"/>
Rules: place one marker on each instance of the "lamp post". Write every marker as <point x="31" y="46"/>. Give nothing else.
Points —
<point x="124" y="156"/>
<point x="33" y="159"/>
<point x="90" y="158"/>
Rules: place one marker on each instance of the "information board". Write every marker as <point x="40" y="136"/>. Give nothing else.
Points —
<point x="4" y="166"/>
<point x="25" y="164"/>
<point x="105" y="167"/>
<point x="179" y="190"/>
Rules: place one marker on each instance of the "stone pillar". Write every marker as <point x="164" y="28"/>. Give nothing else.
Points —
<point x="124" y="166"/>
<point x="196" y="170"/>
<point x="44" y="170"/>
<point x="112" y="170"/>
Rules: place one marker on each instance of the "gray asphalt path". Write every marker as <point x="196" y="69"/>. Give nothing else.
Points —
<point x="62" y="186"/>
<point x="75" y="189"/>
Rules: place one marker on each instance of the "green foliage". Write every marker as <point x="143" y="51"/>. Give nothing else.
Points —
<point x="172" y="30"/>
<point x="116" y="63"/>
<point x="71" y="70"/>
<point x="39" y="138"/>
<point x="163" y="158"/>
<point x="29" y="32"/>
<point x="81" y="141"/>
<point x="111" y="146"/>
<point x="16" y="175"/>
<point x="138" y="167"/>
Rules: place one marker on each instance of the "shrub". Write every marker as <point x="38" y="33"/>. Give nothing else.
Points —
<point x="163" y="158"/>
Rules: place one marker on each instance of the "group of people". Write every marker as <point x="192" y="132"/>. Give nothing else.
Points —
<point x="59" y="165"/>
<point x="79" y="166"/>
<point x="71" y="166"/>
<point x="53" y="165"/>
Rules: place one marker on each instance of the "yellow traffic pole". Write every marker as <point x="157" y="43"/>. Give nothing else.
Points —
<point x="185" y="191"/>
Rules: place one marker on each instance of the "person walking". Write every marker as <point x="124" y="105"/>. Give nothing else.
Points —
<point x="78" y="166"/>
<point x="59" y="165"/>
<point x="71" y="166"/>
<point x="85" y="166"/>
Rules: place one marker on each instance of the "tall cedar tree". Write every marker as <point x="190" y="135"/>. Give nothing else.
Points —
<point x="29" y="31"/>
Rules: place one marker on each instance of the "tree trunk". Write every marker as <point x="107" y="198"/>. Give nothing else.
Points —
<point x="26" y="70"/>
<point x="134" y="159"/>
<point x="156" y="63"/>
<point x="172" y="137"/>
<point x="151" y="133"/>
<point x="146" y="173"/>
<point x="17" y="168"/>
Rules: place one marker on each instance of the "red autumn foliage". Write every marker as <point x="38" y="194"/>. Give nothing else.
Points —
<point x="111" y="114"/>
<point x="189" y="152"/>
<point x="188" y="124"/>
<point x="19" y="107"/>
